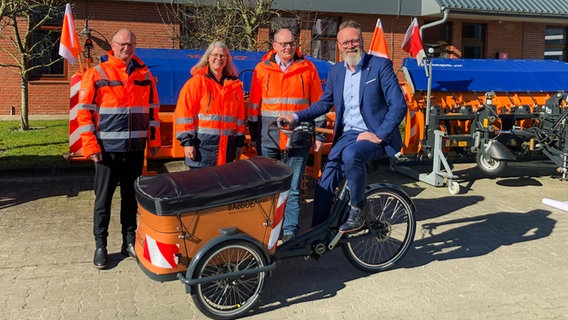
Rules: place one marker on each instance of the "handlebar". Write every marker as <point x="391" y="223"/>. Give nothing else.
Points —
<point x="284" y="126"/>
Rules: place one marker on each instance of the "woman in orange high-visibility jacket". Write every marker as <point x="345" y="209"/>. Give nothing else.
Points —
<point x="210" y="112"/>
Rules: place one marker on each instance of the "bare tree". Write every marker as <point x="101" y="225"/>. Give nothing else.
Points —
<point x="237" y="22"/>
<point x="18" y="21"/>
<point x="234" y="21"/>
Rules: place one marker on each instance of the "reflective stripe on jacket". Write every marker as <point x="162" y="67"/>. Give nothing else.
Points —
<point x="118" y="112"/>
<point x="275" y="92"/>
<point x="211" y="117"/>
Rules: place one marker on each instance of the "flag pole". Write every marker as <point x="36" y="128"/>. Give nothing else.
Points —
<point x="81" y="64"/>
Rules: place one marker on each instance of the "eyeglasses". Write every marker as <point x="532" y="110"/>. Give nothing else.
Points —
<point x="292" y="44"/>
<point x="219" y="56"/>
<point x="353" y="42"/>
<point x="122" y="45"/>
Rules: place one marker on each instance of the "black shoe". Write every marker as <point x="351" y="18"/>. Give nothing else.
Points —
<point x="356" y="219"/>
<point x="128" y="250"/>
<point x="101" y="258"/>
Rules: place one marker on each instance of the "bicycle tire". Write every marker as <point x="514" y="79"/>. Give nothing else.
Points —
<point x="388" y="231"/>
<point x="230" y="297"/>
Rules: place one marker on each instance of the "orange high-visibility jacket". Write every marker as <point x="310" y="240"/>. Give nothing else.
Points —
<point x="118" y="112"/>
<point x="275" y="92"/>
<point x="211" y="117"/>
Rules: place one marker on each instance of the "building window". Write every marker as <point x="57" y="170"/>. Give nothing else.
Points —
<point x="473" y="39"/>
<point x="45" y="48"/>
<point x="555" y="44"/>
<point x="324" y="38"/>
<point x="439" y="37"/>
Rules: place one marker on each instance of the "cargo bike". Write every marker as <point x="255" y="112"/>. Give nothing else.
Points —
<point x="216" y="230"/>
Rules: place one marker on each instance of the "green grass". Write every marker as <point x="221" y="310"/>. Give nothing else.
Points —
<point x="42" y="146"/>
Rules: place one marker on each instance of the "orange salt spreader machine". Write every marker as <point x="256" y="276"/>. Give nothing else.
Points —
<point x="478" y="107"/>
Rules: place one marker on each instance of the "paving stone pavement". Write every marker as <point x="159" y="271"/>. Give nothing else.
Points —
<point x="492" y="252"/>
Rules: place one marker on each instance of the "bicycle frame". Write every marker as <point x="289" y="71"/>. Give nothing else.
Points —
<point x="317" y="240"/>
<point x="325" y="236"/>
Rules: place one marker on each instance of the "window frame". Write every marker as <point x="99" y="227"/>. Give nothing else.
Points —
<point x="325" y="36"/>
<point x="552" y="47"/>
<point x="53" y="28"/>
<point x="475" y="42"/>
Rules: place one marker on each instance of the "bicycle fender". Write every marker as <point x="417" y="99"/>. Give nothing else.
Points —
<point x="386" y="185"/>
<point x="226" y="234"/>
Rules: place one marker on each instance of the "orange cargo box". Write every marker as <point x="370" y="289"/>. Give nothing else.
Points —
<point x="180" y="212"/>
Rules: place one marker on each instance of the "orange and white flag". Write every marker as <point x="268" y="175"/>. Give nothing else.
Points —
<point x="413" y="43"/>
<point x="69" y="46"/>
<point x="378" y="43"/>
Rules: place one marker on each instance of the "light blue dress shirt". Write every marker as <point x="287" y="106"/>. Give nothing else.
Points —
<point x="352" y="118"/>
<point x="282" y="64"/>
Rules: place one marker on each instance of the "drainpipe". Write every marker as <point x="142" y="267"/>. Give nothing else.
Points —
<point x="428" y="64"/>
<point x="445" y="11"/>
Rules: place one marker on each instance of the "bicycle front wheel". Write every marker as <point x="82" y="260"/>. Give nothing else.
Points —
<point x="232" y="296"/>
<point x="388" y="232"/>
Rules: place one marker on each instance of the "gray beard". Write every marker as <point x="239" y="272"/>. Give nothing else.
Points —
<point x="352" y="61"/>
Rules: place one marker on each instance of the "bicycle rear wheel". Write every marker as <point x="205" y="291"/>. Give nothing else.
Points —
<point x="388" y="232"/>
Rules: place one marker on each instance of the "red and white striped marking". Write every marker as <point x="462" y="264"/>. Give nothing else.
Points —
<point x="278" y="219"/>
<point x="75" y="144"/>
<point x="413" y="127"/>
<point x="163" y="255"/>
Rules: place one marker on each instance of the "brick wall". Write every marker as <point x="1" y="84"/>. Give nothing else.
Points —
<point x="105" y="18"/>
<point x="533" y="40"/>
<point x="518" y="39"/>
<point x="505" y="37"/>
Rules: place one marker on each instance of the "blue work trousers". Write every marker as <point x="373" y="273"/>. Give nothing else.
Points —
<point x="348" y="158"/>
<point x="297" y="159"/>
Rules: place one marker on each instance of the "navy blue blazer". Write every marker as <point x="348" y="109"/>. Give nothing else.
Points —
<point x="382" y="103"/>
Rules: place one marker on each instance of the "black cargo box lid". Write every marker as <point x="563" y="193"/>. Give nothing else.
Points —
<point x="188" y="191"/>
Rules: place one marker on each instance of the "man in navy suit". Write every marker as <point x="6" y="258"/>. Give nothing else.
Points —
<point x="369" y="107"/>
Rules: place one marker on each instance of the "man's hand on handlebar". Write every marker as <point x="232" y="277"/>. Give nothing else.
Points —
<point x="286" y="120"/>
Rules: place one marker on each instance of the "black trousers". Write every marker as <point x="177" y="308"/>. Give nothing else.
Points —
<point x="116" y="168"/>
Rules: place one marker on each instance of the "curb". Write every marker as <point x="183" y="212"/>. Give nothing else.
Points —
<point x="49" y="171"/>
